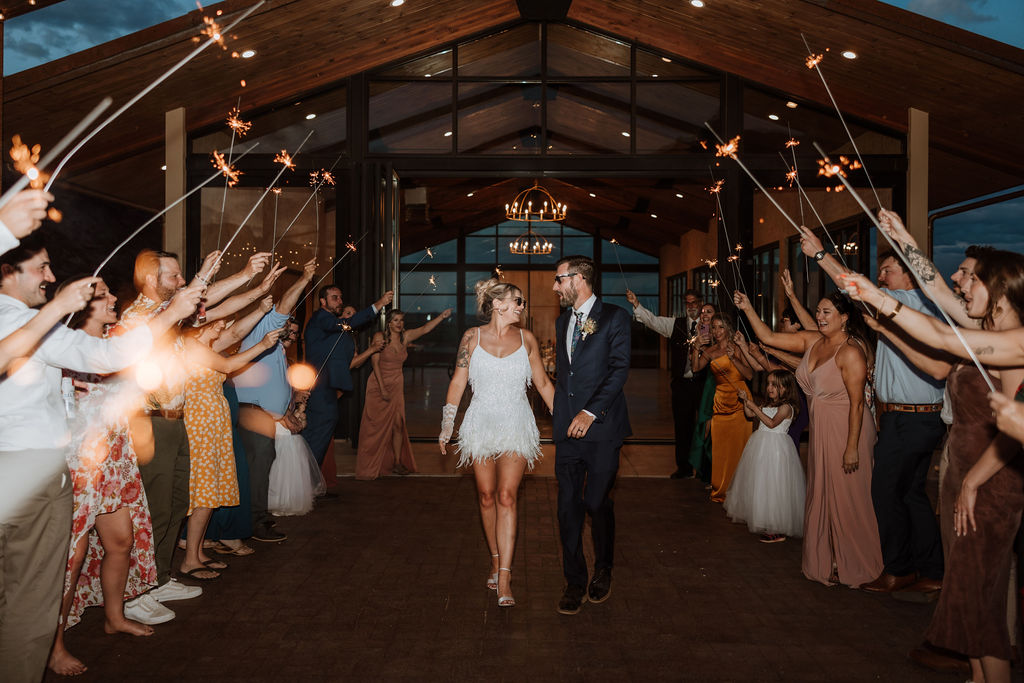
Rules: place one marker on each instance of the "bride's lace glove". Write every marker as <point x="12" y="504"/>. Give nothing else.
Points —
<point x="447" y="422"/>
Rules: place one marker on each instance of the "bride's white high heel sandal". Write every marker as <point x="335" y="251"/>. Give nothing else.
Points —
<point x="492" y="580"/>
<point x="506" y="600"/>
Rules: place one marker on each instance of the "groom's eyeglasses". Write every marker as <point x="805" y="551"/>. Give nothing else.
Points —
<point x="558" y="278"/>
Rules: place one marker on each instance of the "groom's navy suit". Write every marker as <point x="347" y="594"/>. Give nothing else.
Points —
<point x="592" y="380"/>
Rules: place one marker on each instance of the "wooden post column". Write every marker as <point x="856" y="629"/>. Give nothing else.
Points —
<point x="175" y="152"/>
<point x="917" y="177"/>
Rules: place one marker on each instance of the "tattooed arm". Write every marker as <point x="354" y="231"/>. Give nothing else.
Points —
<point x="931" y="280"/>
<point x="456" y="387"/>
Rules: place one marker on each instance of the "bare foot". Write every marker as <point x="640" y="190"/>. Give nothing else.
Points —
<point x="64" y="663"/>
<point x="129" y="626"/>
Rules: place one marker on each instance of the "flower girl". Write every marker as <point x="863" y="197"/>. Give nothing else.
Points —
<point x="769" y="487"/>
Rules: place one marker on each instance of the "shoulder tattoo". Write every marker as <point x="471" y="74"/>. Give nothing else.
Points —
<point x="462" y="357"/>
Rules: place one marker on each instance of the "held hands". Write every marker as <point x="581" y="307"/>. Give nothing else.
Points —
<point x="741" y="301"/>
<point x="851" y="460"/>
<point x="1009" y="415"/>
<point x="580" y="425"/>
<point x="75" y="296"/>
<point x="25" y="212"/>
<point x="631" y="298"/>
<point x="257" y="262"/>
<point x="184" y="302"/>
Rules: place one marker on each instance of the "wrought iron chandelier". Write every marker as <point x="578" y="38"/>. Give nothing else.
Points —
<point x="531" y="244"/>
<point x="534" y="204"/>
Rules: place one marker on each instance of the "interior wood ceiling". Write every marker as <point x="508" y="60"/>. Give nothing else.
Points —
<point x="968" y="84"/>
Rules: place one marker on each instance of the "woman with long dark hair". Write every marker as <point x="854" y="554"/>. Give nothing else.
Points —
<point x="383" y="436"/>
<point x="841" y="543"/>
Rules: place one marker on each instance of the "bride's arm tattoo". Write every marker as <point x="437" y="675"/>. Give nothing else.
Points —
<point x="462" y="358"/>
<point x="922" y="264"/>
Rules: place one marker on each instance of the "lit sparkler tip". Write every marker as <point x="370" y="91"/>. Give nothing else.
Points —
<point x="728" y="149"/>
<point x="739" y="246"/>
<point x="792" y="142"/>
<point x="236" y="124"/>
<point x="717" y="187"/>
<point x="813" y="60"/>
<point x="791" y="177"/>
<point x="25" y="160"/>
<point x="284" y="158"/>
<point x="276" y="190"/>
<point x="230" y="172"/>
<point x="613" y="241"/>
<point x="350" y="246"/>
<point x="430" y="253"/>
<point x="433" y="281"/>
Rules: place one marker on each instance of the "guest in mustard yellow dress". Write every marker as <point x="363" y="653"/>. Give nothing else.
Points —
<point x="730" y="428"/>
<point x="212" y="479"/>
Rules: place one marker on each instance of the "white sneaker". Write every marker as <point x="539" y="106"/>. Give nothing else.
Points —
<point x="175" y="590"/>
<point x="145" y="609"/>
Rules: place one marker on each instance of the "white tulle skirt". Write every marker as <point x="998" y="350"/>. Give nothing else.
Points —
<point x="769" y="487"/>
<point x="295" y="478"/>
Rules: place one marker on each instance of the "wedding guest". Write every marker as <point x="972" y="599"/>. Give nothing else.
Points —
<point x="33" y="434"/>
<point x="383" y="435"/>
<point x="700" y="444"/>
<point x="117" y="561"/>
<point x="686" y="385"/>
<point x="840" y="532"/>
<point x="729" y="427"/>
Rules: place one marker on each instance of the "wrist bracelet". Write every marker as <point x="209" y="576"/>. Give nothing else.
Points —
<point x="899" y="305"/>
<point x="819" y="256"/>
<point x="202" y="279"/>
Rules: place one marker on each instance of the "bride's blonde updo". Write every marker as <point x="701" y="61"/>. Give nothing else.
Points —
<point x="487" y="291"/>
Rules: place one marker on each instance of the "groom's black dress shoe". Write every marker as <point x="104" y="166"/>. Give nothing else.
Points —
<point x="600" y="586"/>
<point x="572" y="599"/>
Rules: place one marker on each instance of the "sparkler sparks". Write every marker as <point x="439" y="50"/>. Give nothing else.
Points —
<point x="285" y="159"/>
<point x="236" y="124"/>
<point x="813" y="60"/>
<point x="25" y="160"/>
<point x="792" y="142"/>
<point x="321" y="177"/>
<point x="231" y="174"/>
<point x="716" y="187"/>
<point x="791" y="176"/>
<point x="728" y="149"/>
<point x="350" y="246"/>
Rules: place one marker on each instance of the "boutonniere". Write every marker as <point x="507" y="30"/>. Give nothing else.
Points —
<point x="589" y="327"/>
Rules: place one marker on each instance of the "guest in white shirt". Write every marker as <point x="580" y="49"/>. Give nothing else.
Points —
<point x="35" y="489"/>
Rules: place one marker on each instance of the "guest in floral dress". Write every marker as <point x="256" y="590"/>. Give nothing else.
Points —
<point x="116" y="562"/>
<point x="212" y="478"/>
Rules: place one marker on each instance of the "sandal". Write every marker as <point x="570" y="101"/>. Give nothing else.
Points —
<point x="193" y="574"/>
<point x="506" y="600"/>
<point x="241" y="551"/>
<point x="492" y="580"/>
<point x="215" y="564"/>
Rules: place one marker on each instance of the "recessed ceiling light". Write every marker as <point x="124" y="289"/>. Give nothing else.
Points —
<point x="310" y="117"/>
<point x="592" y="194"/>
<point x="469" y="194"/>
<point x="397" y="3"/>
<point x="448" y="134"/>
<point x="164" y="167"/>
<point x="654" y="75"/>
<point x="625" y="133"/>
<point x="248" y="54"/>
<point x="654" y="215"/>
<point x="791" y="104"/>
<point x="773" y="117"/>
<point x="426" y="75"/>
<point x="679" y="194"/>
<point x="850" y="54"/>
<point x="697" y="3"/>
<point x="666" y="59"/>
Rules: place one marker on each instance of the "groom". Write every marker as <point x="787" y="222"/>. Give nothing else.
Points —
<point x="590" y="421"/>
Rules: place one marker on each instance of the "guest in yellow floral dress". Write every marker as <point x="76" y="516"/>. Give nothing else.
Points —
<point x="212" y="478"/>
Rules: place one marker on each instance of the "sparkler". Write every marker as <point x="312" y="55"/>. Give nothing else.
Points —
<point x="716" y="190"/>
<point x="231" y="174"/>
<point x="791" y="144"/>
<point x="260" y="200"/>
<point x="615" y="248"/>
<point x="813" y="62"/>
<point x="804" y="197"/>
<point x="350" y="247"/>
<point x="428" y="253"/>
<point x="324" y="177"/>
<point x="25" y="179"/>
<point x="431" y="284"/>
<point x="239" y="127"/>
<point x="145" y="91"/>
<point x="910" y="269"/>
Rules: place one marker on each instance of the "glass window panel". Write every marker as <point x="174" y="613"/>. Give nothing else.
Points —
<point x="567" y="231"/>
<point x="496" y="118"/>
<point x="506" y="257"/>
<point x="489" y="230"/>
<point x="616" y="253"/>
<point x="550" y="230"/>
<point x="410" y="117"/>
<point x="512" y="53"/>
<point x="418" y="281"/>
<point x="583" y="246"/>
<point x="481" y="250"/>
<point x="446" y="252"/>
<point x="545" y="260"/>
<point x="652" y="65"/>
<point x="575" y="52"/>
<point x="474" y="276"/>
<point x="426" y="304"/>
<point x="670" y="116"/>
<point x="588" y="118"/>
<point x="762" y="134"/>
<point x="438" y="65"/>
<point x="643" y="283"/>
<point x="511" y="228"/>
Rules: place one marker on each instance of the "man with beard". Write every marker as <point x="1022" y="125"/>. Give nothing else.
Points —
<point x="590" y="421"/>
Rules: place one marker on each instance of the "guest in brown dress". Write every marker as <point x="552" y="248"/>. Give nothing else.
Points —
<point x="841" y="542"/>
<point x="985" y="467"/>
<point x="383" y="436"/>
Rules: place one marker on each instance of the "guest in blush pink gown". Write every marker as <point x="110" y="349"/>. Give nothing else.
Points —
<point x="383" y="436"/>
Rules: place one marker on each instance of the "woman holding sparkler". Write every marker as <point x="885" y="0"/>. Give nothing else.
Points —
<point x="383" y="436"/>
<point x="986" y="470"/>
<point x="499" y="435"/>
<point x="729" y="427"/>
<point x="841" y="543"/>
<point x="700" y="444"/>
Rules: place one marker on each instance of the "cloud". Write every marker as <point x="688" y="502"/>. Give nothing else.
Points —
<point x="952" y="11"/>
<point x="75" y="25"/>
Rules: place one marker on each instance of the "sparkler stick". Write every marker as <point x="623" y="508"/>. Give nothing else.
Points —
<point x="792" y="144"/>
<point x="615" y="248"/>
<point x="329" y="178"/>
<point x="273" y="236"/>
<point x="813" y="63"/>
<point x="241" y="127"/>
<point x="716" y="189"/>
<point x="25" y="179"/>
<point x="409" y="272"/>
<point x="917" y="276"/>
<point x="803" y="195"/>
<point x="215" y="38"/>
<point x="287" y="163"/>
<point x="350" y="246"/>
<point x="346" y="329"/>
<point x="729" y="150"/>
<point x="431" y="282"/>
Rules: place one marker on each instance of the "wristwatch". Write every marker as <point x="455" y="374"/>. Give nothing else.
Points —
<point x="820" y="255"/>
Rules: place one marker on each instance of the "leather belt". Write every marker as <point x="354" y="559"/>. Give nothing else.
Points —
<point x="911" y="407"/>
<point x="166" y="413"/>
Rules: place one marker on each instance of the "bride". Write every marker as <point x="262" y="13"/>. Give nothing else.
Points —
<point x="498" y="435"/>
